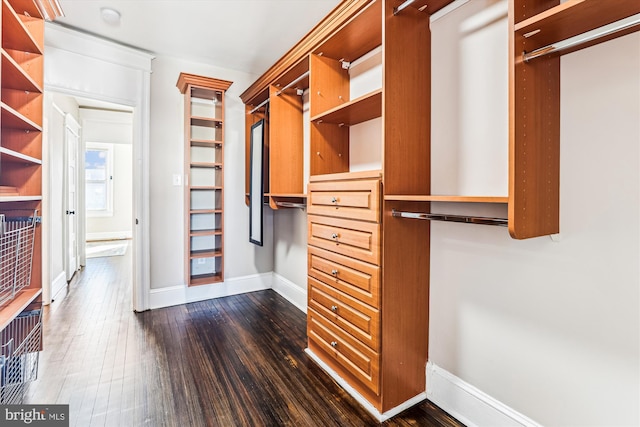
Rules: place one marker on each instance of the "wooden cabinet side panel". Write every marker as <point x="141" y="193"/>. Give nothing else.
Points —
<point x="405" y="306"/>
<point x="285" y="142"/>
<point x="329" y="149"/>
<point x="534" y="144"/>
<point x="407" y="99"/>
<point x="328" y="84"/>
<point x="523" y="9"/>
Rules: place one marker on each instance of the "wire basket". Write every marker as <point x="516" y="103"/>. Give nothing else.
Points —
<point x="20" y="345"/>
<point x="17" y="235"/>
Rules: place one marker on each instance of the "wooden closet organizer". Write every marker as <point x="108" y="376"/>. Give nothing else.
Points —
<point x="368" y="286"/>
<point x="204" y="166"/>
<point x="22" y="78"/>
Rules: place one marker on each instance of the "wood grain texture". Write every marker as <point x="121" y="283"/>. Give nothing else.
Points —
<point x="356" y="239"/>
<point x="285" y="142"/>
<point x="405" y="305"/>
<point x="20" y="32"/>
<point x="328" y="83"/>
<point x="351" y="113"/>
<point x="354" y="199"/>
<point x="358" y="279"/>
<point x="407" y="95"/>
<point x="329" y="149"/>
<point x="534" y="142"/>
<point x="235" y="361"/>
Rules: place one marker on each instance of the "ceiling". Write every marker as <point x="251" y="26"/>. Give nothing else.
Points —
<point x="243" y="35"/>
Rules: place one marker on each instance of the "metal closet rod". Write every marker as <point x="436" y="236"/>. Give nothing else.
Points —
<point x="259" y="106"/>
<point x="305" y="74"/>
<point x="501" y="222"/>
<point x="581" y="39"/>
<point x="404" y="5"/>
<point x="291" y="205"/>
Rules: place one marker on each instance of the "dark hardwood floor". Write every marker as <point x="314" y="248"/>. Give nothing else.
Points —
<point x="235" y="361"/>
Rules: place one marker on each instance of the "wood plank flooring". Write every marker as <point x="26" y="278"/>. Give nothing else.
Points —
<point x="235" y="361"/>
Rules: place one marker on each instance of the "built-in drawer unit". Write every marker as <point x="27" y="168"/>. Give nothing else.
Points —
<point x="358" y="279"/>
<point x="356" y="358"/>
<point x="356" y="318"/>
<point x="357" y="199"/>
<point x="357" y="239"/>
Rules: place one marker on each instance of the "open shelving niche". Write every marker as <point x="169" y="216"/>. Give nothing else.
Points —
<point x="541" y="31"/>
<point x="204" y="186"/>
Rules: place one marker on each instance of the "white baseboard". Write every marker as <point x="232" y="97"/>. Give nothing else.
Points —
<point x="381" y="417"/>
<point x="58" y="284"/>
<point x="469" y="405"/>
<point x="176" y="295"/>
<point x="290" y="291"/>
<point x="109" y="235"/>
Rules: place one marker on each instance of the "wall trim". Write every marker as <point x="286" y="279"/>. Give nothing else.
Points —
<point x="176" y="295"/>
<point x="110" y="235"/>
<point x="381" y="417"/>
<point x="290" y="291"/>
<point x="57" y="285"/>
<point x="468" y="404"/>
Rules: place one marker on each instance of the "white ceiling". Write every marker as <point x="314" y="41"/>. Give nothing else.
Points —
<point x="244" y="35"/>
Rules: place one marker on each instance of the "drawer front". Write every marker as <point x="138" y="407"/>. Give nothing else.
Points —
<point x="356" y="318"/>
<point x="346" y="199"/>
<point x="356" y="239"/>
<point x="358" y="279"/>
<point x="355" y="357"/>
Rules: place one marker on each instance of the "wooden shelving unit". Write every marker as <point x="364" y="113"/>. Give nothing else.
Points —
<point x="204" y="185"/>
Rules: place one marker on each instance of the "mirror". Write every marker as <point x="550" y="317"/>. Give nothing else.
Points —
<point x="256" y="190"/>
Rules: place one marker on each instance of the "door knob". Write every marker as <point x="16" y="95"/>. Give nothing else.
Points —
<point x="71" y="212"/>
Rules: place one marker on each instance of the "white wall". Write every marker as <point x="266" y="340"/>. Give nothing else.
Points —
<point x="112" y="127"/>
<point x="167" y="158"/>
<point x="552" y="329"/>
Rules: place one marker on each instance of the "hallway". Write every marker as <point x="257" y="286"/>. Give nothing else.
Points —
<point x="232" y="361"/>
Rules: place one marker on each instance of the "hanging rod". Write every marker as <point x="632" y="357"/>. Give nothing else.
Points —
<point x="291" y="205"/>
<point x="403" y="6"/>
<point x="502" y="222"/>
<point x="292" y="83"/>
<point x="582" y="38"/>
<point x="259" y="106"/>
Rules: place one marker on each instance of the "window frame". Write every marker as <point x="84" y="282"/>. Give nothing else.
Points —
<point x="109" y="148"/>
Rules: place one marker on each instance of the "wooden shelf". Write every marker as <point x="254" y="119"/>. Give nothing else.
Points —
<point x="573" y="18"/>
<point x="14" y="77"/>
<point x="205" y="211"/>
<point x="11" y="156"/>
<point x="20" y="198"/>
<point x="7" y="191"/>
<point x="455" y="199"/>
<point x="205" y="143"/>
<point x="14" y="307"/>
<point x="206" y="165"/>
<point x="11" y="119"/>
<point x="359" y="35"/>
<point x="206" y="122"/>
<point x="351" y="113"/>
<point x="206" y="279"/>
<point x="24" y="7"/>
<point x="15" y="34"/>
<point x="211" y="232"/>
<point x="207" y="253"/>
<point x="205" y="188"/>
<point x="288" y="196"/>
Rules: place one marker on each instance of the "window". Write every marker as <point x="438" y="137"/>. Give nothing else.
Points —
<point x="98" y="169"/>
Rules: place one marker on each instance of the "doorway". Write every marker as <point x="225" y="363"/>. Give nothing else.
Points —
<point x="89" y="185"/>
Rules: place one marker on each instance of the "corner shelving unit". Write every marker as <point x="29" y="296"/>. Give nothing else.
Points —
<point x="204" y="180"/>
<point x="22" y="80"/>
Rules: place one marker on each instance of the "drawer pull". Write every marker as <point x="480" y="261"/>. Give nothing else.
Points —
<point x="334" y="308"/>
<point x="334" y="272"/>
<point x="334" y="344"/>
<point x="334" y="236"/>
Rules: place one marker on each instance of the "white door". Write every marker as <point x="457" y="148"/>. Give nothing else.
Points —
<point x="72" y="132"/>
